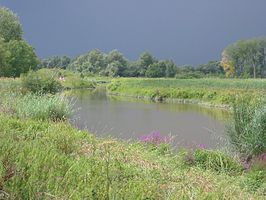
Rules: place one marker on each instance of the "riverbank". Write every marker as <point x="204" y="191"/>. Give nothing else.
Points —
<point x="42" y="160"/>
<point x="48" y="158"/>
<point x="208" y="92"/>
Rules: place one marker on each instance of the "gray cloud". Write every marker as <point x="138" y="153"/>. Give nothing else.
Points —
<point x="187" y="31"/>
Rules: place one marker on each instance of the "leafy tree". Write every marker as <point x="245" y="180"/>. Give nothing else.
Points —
<point x="93" y="62"/>
<point x="80" y="64"/>
<point x="171" y="68"/>
<point x="212" y="67"/>
<point x="145" y="60"/>
<point x="61" y="62"/>
<point x="113" y="69"/>
<point x="245" y="57"/>
<point x="117" y="63"/>
<point x="4" y="54"/>
<point x="156" y="70"/>
<point x="22" y="58"/>
<point x="10" y="27"/>
<point x="132" y="70"/>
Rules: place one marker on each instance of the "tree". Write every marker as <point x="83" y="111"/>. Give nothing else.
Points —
<point x="97" y="60"/>
<point x="4" y="54"/>
<point x="113" y="69"/>
<point x="117" y="62"/>
<point x="10" y="27"/>
<point x="132" y="70"/>
<point x="145" y="60"/>
<point x="61" y="62"/>
<point x="80" y="63"/>
<point x="93" y="62"/>
<point x="212" y="67"/>
<point x="156" y="70"/>
<point x="22" y="58"/>
<point x="171" y="68"/>
<point x="245" y="58"/>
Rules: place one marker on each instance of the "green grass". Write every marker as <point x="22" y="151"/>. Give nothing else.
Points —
<point x="247" y="132"/>
<point x="42" y="157"/>
<point x="213" y="91"/>
<point x="10" y="84"/>
<point x="47" y="160"/>
<point x="39" y="107"/>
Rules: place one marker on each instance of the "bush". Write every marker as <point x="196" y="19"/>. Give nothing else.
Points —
<point x="42" y="81"/>
<point x="247" y="133"/>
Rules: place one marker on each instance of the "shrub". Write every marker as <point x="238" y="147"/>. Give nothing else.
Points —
<point x="42" y="81"/>
<point x="247" y="133"/>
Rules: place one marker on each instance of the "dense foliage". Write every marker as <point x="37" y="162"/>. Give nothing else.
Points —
<point x="60" y="62"/>
<point x="41" y="82"/>
<point x="16" y="55"/>
<point x="114" y="64"/>
<point x="36" y="146"/>
<point x="10" y="27"/>
<point x="245" y="58"/>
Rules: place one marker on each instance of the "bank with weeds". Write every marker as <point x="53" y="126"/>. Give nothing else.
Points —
<point x="208" y="91"/>
<point x="43" y="157"/>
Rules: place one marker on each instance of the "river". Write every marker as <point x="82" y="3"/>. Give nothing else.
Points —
<point x="129" y="119"/>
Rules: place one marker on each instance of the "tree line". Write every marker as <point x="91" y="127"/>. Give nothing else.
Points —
<point x="115" y="64"/>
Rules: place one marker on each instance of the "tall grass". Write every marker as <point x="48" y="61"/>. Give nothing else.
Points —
<point x="44" y="160"/>
<point x="247" y="132"/>
<point x="39" y="107"/>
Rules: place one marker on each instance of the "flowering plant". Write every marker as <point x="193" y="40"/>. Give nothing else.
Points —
<point x="155" y="138"/>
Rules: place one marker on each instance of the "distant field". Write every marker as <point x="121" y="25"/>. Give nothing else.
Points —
<point x="217" y="91"/>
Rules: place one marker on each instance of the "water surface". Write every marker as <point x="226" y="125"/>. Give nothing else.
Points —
<point x="127" y="118"/>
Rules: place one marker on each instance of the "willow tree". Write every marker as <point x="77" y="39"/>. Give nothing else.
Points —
<point x="245" y="58"/>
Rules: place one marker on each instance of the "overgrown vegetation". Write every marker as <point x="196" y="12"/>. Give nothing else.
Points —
<point x="248" y="130"/>
<point x="33" y="106"/>
<point x="16" y="55"/>
<point x="41" y="82"/>
<point x="43" y="157"/>
<point x="215" y="91"/>
<point x="41" y="160"/>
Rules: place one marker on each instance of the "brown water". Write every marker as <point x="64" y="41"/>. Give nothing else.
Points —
<point x="126" y="118"/>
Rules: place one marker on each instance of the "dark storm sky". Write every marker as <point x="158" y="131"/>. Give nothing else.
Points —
<point x="187" y="31"/>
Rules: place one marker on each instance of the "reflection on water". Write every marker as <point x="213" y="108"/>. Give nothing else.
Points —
<point x="128" y="118"/>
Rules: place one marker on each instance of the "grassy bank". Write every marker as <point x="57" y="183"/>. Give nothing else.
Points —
<point x="208" y="91"/>
<point x="44" y="157"/>
<point x="46" y="160"/>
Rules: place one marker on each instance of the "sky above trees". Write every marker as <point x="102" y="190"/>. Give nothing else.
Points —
<point x="187" y="31"/>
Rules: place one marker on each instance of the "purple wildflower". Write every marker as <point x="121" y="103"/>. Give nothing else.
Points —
<point x="155" y="138"/>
